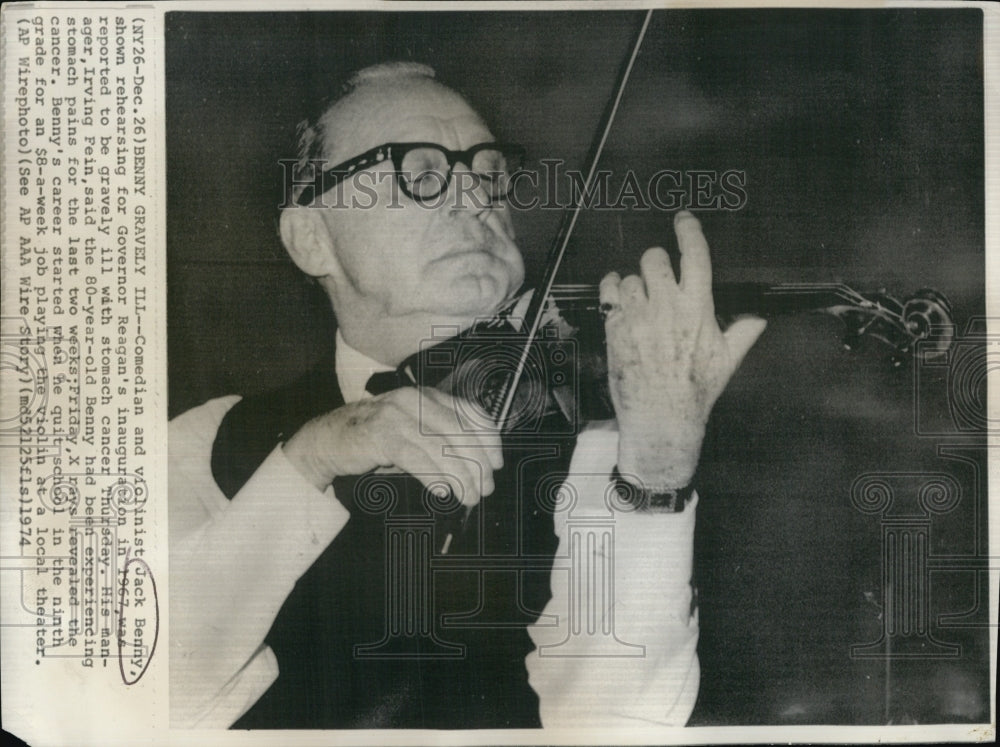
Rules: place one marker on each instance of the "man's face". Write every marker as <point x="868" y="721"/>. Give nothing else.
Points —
<point x="453" y="257"/>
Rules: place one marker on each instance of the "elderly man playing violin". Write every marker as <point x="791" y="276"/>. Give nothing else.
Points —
<point x="302" y="599"/>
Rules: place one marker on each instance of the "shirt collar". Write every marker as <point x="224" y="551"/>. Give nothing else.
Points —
<point x="353" y="370"/>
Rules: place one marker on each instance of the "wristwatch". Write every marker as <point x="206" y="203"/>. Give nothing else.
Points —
<point x="652" y="501"/>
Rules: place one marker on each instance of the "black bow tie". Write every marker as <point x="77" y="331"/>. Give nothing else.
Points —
<point x="387" y="381"/>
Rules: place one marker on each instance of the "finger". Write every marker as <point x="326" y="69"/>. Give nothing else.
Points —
<point x="475" y="482"/>
<point x="437" y="413"/>
<point x="475" y="479"/>
<point x="609" y="293"/>
<point x="473" y="468"/>
<point x="473" y="463"/>
<point x="487" y="454"/>
<point x="632" y="290"/>
<point x="741" y="335"/>
<point x="420" y="462"/>
<point x="494" y="449"/>
<point x="489" y="447"/>
<point x="657" y="273"/>
<point x="440" y="416"/>
<point x="427" y="462"/>
<point x="696" y="264"/>
<point x="479" y="450"/>
<point x="418" y="442"/>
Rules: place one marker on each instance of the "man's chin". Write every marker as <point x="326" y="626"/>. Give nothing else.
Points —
<point x="472" y="297"/>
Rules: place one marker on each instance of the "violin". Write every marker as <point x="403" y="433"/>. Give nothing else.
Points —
<point x="493" y="381"/>
<point x="562" y="368"/>
<point x="565" y="366"/>
<point x="924" y="316"/>
<point x="516" y="369"/>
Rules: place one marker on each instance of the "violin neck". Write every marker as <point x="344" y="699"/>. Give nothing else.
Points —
<point x="765" y="299"/>
<point x="731" y="299"/>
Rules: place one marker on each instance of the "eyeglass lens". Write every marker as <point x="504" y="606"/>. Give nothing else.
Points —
<point x="426" y="172"/>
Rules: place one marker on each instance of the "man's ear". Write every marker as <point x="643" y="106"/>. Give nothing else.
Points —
<point x="307" y="241"/>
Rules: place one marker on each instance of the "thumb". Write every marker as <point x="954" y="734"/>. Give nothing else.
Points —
<point x="741" y="335"/>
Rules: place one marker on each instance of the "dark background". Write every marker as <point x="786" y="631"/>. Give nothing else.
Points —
<point x="861" y="136"/>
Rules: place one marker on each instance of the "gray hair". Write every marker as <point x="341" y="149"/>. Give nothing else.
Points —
<point x="313" y="134"/>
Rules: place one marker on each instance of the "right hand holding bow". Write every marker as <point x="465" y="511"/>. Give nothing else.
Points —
<point x="409" y="429"/>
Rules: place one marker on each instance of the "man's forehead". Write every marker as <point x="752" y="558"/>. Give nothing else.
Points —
<point x="451" y="131"/>
<point x="402" y="111"/>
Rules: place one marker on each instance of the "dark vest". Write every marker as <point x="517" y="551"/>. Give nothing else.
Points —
<point x="383" y="630"/>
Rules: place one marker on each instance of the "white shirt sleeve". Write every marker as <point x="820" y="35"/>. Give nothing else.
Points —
<point x="616" y="645"/>
<point x="232" y="565"/>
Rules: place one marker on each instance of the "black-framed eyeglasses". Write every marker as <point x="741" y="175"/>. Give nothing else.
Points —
<point x="424" y="170"/>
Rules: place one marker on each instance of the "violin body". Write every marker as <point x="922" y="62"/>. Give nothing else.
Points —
<point x="565" y="368"/>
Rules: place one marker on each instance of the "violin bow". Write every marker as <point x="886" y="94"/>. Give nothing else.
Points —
<point x="536" y="307"/>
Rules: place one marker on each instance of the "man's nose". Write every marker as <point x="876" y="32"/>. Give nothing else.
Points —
<point x="467" y="190"/>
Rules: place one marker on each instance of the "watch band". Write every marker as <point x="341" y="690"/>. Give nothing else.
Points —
<point x="665" y="501"/>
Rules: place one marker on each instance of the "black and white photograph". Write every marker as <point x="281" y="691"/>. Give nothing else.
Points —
<point x="521" y="373"/>
<point x="625" y="504"/>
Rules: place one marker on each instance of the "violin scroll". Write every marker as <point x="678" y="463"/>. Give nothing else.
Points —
<point x="928" y="316"/>
<point x="925" y="316"/>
